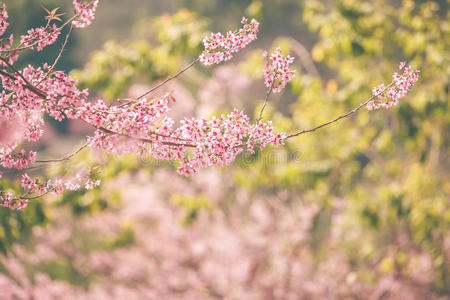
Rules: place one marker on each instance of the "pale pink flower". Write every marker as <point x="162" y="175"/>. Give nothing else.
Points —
<point x="219" y="47"/>
<point x="389" y="96"/>
<point x="86" y="12"/>
<point x="276" y="72"/>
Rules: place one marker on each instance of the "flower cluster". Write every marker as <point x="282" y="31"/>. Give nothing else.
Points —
<point x="220" y="140"/>
<point x="85" y="11"/>
<point x="142" y="128"/>
<point x="35" y="188"/>
<point x="19" y="160"/>
<point x="3" y="18"/>
<point x="5" y="46"/>
<point x="388" y="96"/>
<point x="41" y="37"/>
<point x="220" y="48"/>
<point x="276" y="72"/>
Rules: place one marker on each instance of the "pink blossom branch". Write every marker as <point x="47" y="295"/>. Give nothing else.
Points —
<point x="148" y="140"/>
<point x="28" y="86"/>
<point x="59" y="54"/>
<point x="24" y="197"/>
<point x="20" y="47"/>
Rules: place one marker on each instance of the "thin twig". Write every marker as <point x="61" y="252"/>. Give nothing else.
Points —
<point x="20" y="48"/>
<point x="269" y="91"/>
<point x="341" y="116"/>
<point x="65" y="157"/>
<point x="37" y="196"/>
<point x="169" y="78"/>
<point x="59" y="54"/>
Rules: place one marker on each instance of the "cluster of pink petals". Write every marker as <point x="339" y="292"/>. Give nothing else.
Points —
<point x="220" y="48"/>
<point x="3" y="18"/>
<point x="129" y="128"/>
<point x="35" y="188"/>
<point x="198" y="143"/>
<point x="5" y="46"/>
<point x="276" y="72"/>
<point x="141" y="127"/>
<point x="220" y="140"/>
<point x="86" y="12"/>
<point x="400" y="86"/>
<point x="7" y="200"/>
<point x="41" y="37"/>
<point x="20" y="160"/>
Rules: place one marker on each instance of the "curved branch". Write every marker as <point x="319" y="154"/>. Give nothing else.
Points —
<point x="170" y="78"/>
<point x="67" y="157"/>
<point x="341" y="116"/>
<point x="59" y="54"/>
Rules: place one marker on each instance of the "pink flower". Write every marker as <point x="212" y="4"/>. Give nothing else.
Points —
<point x="276" y="72"/>
<point x="389" y="96"/>
<point x="41" y="37"/>
<point x="85" y="11"/>
<point x="3" y="18"/>
<point x="220" y="48"/>
<point x="27" y="183"/>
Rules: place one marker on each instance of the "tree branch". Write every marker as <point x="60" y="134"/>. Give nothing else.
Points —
<point x="166" y="80"/>
<point x="341" y="116"/>
<point x="59" y="54"/>
<point x="67" y="157"/>
<point x="269" y="91"/>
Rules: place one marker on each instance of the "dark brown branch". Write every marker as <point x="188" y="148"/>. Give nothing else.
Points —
<point x="29" y="87"/>
<point x="15" y="70"/>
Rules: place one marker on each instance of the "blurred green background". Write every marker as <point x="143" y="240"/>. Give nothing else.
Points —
<point x="379" y="182"/>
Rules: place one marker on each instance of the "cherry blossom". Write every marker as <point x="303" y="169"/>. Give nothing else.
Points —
<point x="86" y="11"/>
<point x="3" y="18"/>
<point x="276" y="72"/>
<point x="219" y="47"/>
<point x="41" y="37"/>
<point x="388" y="96"/>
